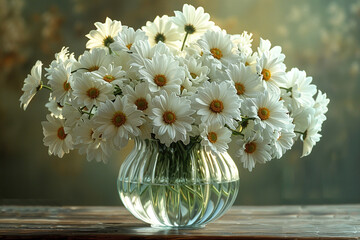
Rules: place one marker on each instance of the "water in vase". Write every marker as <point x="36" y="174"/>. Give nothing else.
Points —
<point x="180" y="204"/>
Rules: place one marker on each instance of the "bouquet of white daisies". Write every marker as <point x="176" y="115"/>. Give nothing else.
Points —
<point x="179" y="78"/>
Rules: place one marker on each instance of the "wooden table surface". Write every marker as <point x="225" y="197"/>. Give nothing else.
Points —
<point x="240" y="222"/>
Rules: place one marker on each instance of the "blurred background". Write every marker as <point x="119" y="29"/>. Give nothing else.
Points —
<point x="321" y="37"/>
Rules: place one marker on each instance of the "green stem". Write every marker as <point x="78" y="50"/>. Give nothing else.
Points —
<point x="287" y="89"/>
<point x="182" y="47"/>
<point x="46" y="87"/>
<point x="299" y="132"/>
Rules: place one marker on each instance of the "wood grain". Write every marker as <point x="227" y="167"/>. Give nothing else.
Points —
<point x="241" y="222"/>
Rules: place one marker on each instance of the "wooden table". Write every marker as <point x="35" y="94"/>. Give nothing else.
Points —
<point x="241" y="222"/>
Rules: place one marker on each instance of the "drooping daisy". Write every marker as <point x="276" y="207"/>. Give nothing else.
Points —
<point x="162" y="30"/>
<point x="246" y="82"/>
<point x="218" y="103"/>
<point x="163" y="73"/>
<point x="126" y="38"/>
<point x="140" y="96"/>
<point x="284" y="140"/>
<point x="104" y="34"/>
<point x="56" y="136"/>
<point x="113" y="75"/>
<point x="253" y="150"/>
<point x="299" y="91"/>
<point x="32" y="84"/>
<point x="89" y="91"/>
<point x="320" y="105"/>
<point x="217" y="46"/>
<point x="268" y="112"/>
<point x="117" y="121"/>
<point x="171" y="116"/>
<point x="92" y="60"/>
<point x="192" y="22"/>
<point x="272" y="71"/>
<point x="308" y="126"/>
<point x="90" y="143"/>
<point x="60" y="82"/>
<point x="215" y="137"/>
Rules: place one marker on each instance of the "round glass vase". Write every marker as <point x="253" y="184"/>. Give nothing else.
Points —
<point x="181" y="186"/>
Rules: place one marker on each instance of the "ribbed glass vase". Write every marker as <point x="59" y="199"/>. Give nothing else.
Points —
<point x="181" y="186"/>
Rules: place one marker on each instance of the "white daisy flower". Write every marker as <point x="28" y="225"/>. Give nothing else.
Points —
<point x="217" y="46"/>
<point x="299" y="91"/>
<point x="218" y="103"/>
<point x="311" y="135"/>
<point x="54" y="107"/>
<point x="89" y="91"/>
<point x="284" y="140"/>
<point x="61" y="58"/>
<point x="32" y="84"/>
<point x="142" y="51"/>
<point x="60" y="82"/>
<point x="187" y="88"/>
<point x="215" y="137"/>
<point x="243" y="43"/>
<point x="162" y="30"/>
<point x="171" y="117"/>
<point x="72" y="114"/>
<point x="268" y="112"/>
<point x="272" y="71"/>
<point x="104" y="34"/>
<point x="113" y="75"/>
<point x="92" y="60"/>
<point x="308" y="126"/>
<point x="192" y="22"/>
<point x="246" y="82"/>
<point x="252" y="151"/>
<point x="140" y="97"/>
<point x="91" y="144"/>
<point x="196" y="73"/>
<point x="320" y="105"/>
<point x="56" y="136"/>
<point x="265" y="49"/>
<point x="126" y="38"/>
<point x="163" y="72"/>
<point x="117" y="121"/>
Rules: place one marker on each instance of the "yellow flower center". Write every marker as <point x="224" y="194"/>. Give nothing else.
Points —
<point x="216" y="53"/>
<point x="250" y="147"/>
<point x="247" y="64"/>
<point x="193" y="75"/>
<point x="61" y="133"/>
<point x="66" y="86"/>
<point x="141" y="104"/>
<point x="160" y="80"/>
<point x="118" y="119"/>
<point x="216" y="106"/>
<point x="182" y="88"/>
<point x="240" y="88"/>
<point x="129" y="46"/>
<point x="169" y="117"/>
<point x="93" y="93"/>
<point x="263" y="113"/>
<point x="109" y="78"/>
<point x="266" y="74"/>
<point x="212" y="136"/>
<point x="93" y="68"/>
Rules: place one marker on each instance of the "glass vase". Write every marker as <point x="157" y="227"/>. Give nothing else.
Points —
<point x="181" y="186"/>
